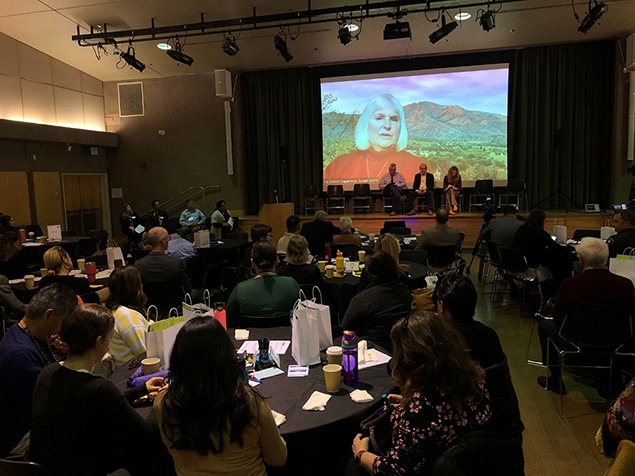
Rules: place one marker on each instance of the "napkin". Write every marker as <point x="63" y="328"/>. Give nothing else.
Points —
<point x="361" y="396"/>
<point x="241" y="334"/>
<point x="316" y="402"/>
<point x="362" y="345"/>
<point x="278" y="417"/>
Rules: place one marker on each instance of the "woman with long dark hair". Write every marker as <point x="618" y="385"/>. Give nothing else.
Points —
<point x="128" y="304"/>
<point x="210" y="419"/>
<point x="12" y="263"/>
<point x="443" y="396"/>
<point x="452" y="188"/>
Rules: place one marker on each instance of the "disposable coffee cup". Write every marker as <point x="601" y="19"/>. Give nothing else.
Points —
<point x="44" y="271"/>
<point x="361" y="255"/>
<point x="330" y="269"/>
<point x="29" y="281"/>
<point x="81" y="264"/>
<point x="322" y="266"/>
<point x="334" y="355"/>
<point x="332" y="377"/>
<point x="31" y="235"/>
<point x="371" y="237"/>
<point x="151" y="365"/>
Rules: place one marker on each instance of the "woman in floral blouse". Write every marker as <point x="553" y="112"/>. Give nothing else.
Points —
<point x="443" y="396"/>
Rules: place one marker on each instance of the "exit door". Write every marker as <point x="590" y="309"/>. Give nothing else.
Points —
<point x="83" y="203"/>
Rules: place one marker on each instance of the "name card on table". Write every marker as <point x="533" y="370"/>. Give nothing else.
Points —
<point x="54" y="232"/>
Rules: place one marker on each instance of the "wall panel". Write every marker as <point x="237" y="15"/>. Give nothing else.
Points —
<point x="14" y="197"/>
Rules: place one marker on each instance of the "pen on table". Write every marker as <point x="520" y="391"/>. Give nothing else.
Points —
<point x="255" y="379"/>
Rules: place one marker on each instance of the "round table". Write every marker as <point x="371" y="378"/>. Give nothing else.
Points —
<point x="33" y="251"/>
<point x="318" y="442"/>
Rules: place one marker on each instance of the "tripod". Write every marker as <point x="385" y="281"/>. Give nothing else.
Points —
<point x="562" y="197"/>
<point x="477" y="247"/>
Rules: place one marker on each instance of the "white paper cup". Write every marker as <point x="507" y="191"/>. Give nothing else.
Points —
<point x="334" y="355"/>
<point x="29" y="281"/>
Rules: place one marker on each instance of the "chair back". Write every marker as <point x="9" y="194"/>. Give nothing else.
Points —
<point x="400" y="230"/>
<point x="164" y="295"/>
<point x="515" y="185"/>
<point x="602" y="327"/>
<point x="361" y="189"/>
<point x="335" y="190"/>
<point x="69" y="233"/>
<point x="138" y="253"/>
<point x="494" y="255"/>
<point x="546" y="285"/>
<point x="441" y="256"/>
<point x="349" y="251"/>
<point x="34" y="228"/>
<point x="194" y="271"/>
<point x="215" y="276"/>
<point x="415" y="256"/>
<point x="388" y="225"/>
<point x="86" y="247"/>
<point x="579" y="234"/>
<point x="101" y="236"/>
<point x="512" y="260"/>
<point x="310" y="191"/>
<point x="21" y="468"/>
<point x="281" y="320"/>
<point x="485" y="186"/>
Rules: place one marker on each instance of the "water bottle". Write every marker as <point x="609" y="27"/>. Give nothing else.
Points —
<point x="349" y="358"/>
<point x="327" y="253"/>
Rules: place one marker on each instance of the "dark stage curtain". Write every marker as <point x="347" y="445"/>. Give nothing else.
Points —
<point x="281" y="111"/>
<point x="560" y="124"/>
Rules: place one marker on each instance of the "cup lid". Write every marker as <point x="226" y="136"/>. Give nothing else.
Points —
<point x="334" y="350"/>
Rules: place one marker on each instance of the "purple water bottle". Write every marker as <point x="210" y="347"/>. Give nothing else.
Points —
<point x="349" y="358"/>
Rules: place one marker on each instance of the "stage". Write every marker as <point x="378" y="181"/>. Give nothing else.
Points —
<point x="468" y="223"/>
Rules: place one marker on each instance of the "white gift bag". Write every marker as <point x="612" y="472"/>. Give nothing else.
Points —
<point x="201" y="239"/>
<point x="323" y="316"/>
<point x="193" y="310"/>
<point x="160" y="338"/>
<point x="606" y="232"/>
<point x="560" y="231"/>
<point x="114" y="254"/>
<point x="305" y="342"/>
<point x="624" y="265"/>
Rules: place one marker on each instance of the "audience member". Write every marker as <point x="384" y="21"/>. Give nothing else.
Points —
<point x="7" y="223"/>
<point x="388" y="243"/>
<point x="423" y="187"/>
<point x="372" y="312"/>
<point x="619" y="423"/>
<point x="443" y="396"/>
<point x="128" y="222"/>
<point x="265" y="295"/>
<point x="179" y="247"/>
<point x="222" y="221"/>
<point x="297" y="265"/>
<point x="441" y="234"/>
<point x="595" y="288"/>
<point x="294" y="224"/>
<point x="452" y="188"/>
<point x="157" y="267"/>
<point x="258" y="232"/>
<point x="12" y="263"/>
<point x="392" y="184"/>
<point x="624" y="223"/>
<point x="501" y="231"/>
<point x="210" y="419"/>
<point x="319" y="232"/>
<point x="540" y="249"/>
<point x="156" y="211"/>
<point x="81" y="423"/>
<point x="24" y="352"/>
<point x="12" y="305"/>
<point x="59" y="264"/>
<point x="191" y="220"/>
<point x="346" y="236"/>
<point x="128" y="305"/>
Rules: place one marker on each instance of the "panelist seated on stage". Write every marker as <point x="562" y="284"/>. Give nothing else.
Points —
<point x="452" y="188"/>
<point x="624" y="223"/>
<point x="294" y="224"/>
<point x="156" y="211"/>
<point x="266" y="294"/>
<point x="443" y="396"/>
<point x="372" y="312"/>
<point x="596" y="287"/>
<point x="191" y="219"/>
<point x="441" y="234"/>
<point x="12" y="263"/>
<point x="393" y="184"/>
<point x="82" y="424"/>
<point x="222" y="221"/>
<point x="501" y="231"/>
<point x="24" y="351"/>
<point x="210" y="419"/>
<point x="319" y="232"/>
<point x="423" y="187"/>
<point x="381" y="137"/>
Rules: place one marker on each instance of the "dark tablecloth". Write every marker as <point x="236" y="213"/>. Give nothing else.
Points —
<point x="34" y="252"/>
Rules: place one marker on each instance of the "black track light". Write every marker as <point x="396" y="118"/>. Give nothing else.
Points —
<point x="488" y="20"/>
<point x="229" y="45"/>
<point x="594" y="15"/>
<point x="130" y="58"/>
<point x="344" y="34"/>
<point x="444" y="31"/>
<point x="281" y="45"/>
<point x="177" y="54"/>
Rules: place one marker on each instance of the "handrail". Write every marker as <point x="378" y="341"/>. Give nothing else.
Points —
<point x="187" y="194"/>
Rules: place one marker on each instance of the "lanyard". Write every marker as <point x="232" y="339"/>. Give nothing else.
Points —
<point x="22" y="326"/>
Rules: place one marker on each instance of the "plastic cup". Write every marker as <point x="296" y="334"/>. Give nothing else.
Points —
<point x="334" y="355"/>
<point x="29" y="281"/>
<point x="330" y="269"/>
<point x="332" y="377"/>
<point x="91" y="271"/>
<point x="22" y="233"/>
<point x="322" y="266"/>
<point x="151" y="365"/>
<point x="44" y="271"/>
<point x="361" y="255"/>
<point x="81" y="264"/>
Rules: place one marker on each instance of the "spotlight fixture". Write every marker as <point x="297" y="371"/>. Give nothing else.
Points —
<point x="280" y="44"/>
<point x="462" y="16"/>
<point x="398" y="30"/>
<point x="594" y="15"/>
<point x="164" y="46"/>
<point x="344" y="34"/>
<point x="445" y="30"/>
<point x="130" y="58"/>
<point x="177" y="54"/>
<point x="229" y="45"/>
<point x="346" y="29"/>
<point x="488" y="20"/>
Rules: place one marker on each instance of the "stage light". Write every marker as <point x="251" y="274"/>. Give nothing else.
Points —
<point x="398" y="30"/>
<point x="488" y="20"/>
<point x="352" y="27"/>
<point x="130" y="58"/>
<point x="281" y="45"/>
<point x="462" y="16"/>
<point x="344" y="35"/>
<point x="177" y="54"/>
<point x="445" y="30"/>
<point x="164" y="46"/>
<point x="229" y="45"/>
<point x="594" y="15"/>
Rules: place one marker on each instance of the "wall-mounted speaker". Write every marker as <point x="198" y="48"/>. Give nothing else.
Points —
<point x="130" y="99"/>
<point x="223" y="82"/>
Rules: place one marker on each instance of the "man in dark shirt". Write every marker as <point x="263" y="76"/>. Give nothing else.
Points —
<point x="624" y="223"/>
<point x="319" y="232"/>
<point x="24" y="351"/>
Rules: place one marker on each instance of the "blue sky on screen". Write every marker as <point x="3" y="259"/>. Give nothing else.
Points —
<point x="484" y="90"/>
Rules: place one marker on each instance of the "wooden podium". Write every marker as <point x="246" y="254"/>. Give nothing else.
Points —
<point x="275" y="215"/>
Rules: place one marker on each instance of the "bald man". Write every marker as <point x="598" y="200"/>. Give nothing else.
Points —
<point x="157" y="267"/>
